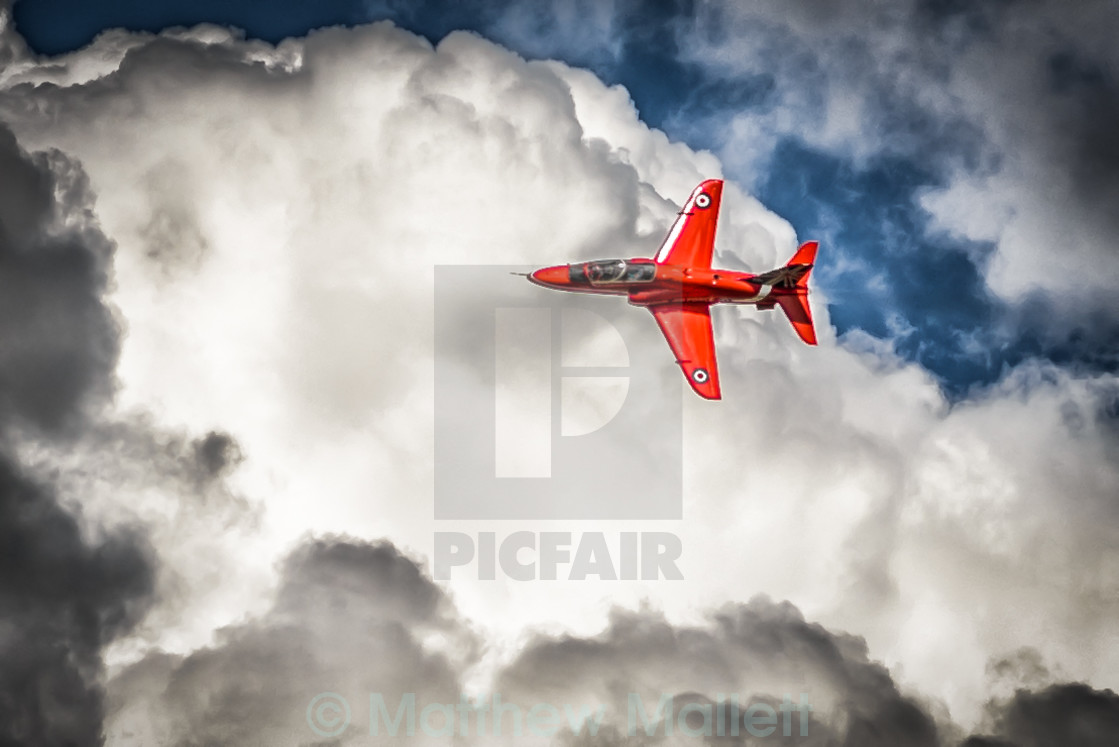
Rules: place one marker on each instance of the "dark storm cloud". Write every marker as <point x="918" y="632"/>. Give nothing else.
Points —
<point x="331" y="573"/>
<point x="63" y="599"/>
<point x="63" y="596"/>
<point x="350" y="617"/>
<point x="69" y="586"/>
<point x="215" y="453"/>
<point x="760" y="650"/>
<point x="58" y="338"/>
<point x="1090" y="95"/>
<point x="1064" y="714"/>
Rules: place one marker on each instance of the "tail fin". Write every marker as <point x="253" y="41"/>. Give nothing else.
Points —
<point x="795" y="305"/>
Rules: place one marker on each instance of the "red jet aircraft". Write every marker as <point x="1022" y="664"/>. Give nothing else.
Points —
<point x="679" y="285"/>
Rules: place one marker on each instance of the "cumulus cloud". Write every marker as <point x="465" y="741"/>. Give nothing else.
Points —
<point x="354" y="618"/>
<point x="758" y="651"/>
<point x="1005" y="103"/>
<point x="75" y="581"/>
<point x="349" y="617"/>
<point x="278" y="212"/>
<point x="66" y="595"/>
<point x="950" y="153"/>
<point x="60" y="339"/>
<point x="65" y="599"/>
<point x="362" y="625"/>
<point x="1059" y="714"/>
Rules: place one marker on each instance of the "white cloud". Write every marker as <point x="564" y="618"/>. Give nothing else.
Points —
<point x="973" y="92"/>
<point x="278" y="215"/>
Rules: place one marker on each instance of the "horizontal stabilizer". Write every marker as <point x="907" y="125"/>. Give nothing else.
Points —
<point x="795" y="273"/>
<point x="782" y="277"/>
<point x="796" y="308"/>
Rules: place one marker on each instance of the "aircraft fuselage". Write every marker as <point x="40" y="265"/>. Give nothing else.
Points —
<point x="647" y="283"/>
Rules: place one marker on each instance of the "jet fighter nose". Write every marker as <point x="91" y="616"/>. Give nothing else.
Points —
<point x="552" y="276"/>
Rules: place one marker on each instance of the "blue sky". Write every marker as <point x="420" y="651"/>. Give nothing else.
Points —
<point x="883" y="268"/>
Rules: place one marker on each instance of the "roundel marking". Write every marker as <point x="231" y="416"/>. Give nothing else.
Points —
<point x="703" y="200"/>
<point x="699" y="376"/>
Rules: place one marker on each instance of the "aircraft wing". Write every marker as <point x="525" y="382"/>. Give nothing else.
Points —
<point x="691" y="240"/>
<point x="687" y="327"/>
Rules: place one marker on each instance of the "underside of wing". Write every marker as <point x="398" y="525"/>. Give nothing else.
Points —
<point x="687" y="327"/>
<point x="691" y="240"/>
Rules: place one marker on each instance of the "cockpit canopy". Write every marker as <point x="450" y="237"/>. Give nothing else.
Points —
<point x="606" y="271"/>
